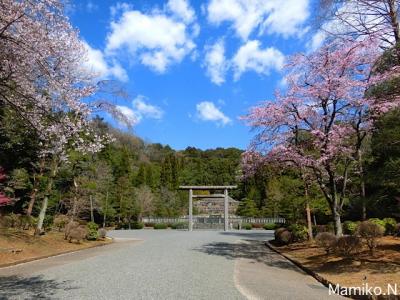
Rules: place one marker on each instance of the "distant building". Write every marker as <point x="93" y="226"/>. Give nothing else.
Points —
<point x="215" y="206"/>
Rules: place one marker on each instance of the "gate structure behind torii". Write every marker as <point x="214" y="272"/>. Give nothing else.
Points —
<point x="225" y="188"/>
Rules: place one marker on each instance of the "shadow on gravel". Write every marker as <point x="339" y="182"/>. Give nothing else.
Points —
<point x="254" y="250"/>
<point x="250" y="235"/>
<point x="30" y="287"/>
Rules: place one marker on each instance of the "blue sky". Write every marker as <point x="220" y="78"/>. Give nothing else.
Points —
<point x="192" y="68"/>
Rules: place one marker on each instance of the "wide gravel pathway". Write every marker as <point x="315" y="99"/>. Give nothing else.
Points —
<point x="165" y="264"/>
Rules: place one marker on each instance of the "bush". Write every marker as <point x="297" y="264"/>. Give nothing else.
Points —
<point x="348" y="245"/>
<point x="320" y="228"/>
<point x="390" y="226"/>
<point x="247" y="226"/>
<point x="102" y="233"/>
<point x="299" y="232"/>
<point x="397" y="230"/>
<point x="378" y="222"/>
<point x="160" y="226"/>
<point x="370" y="232"/>
<point x="349" y="227"/>
<point x="148" y="224"/>
<point x="180" y="225"/>
<point x="137" y="225"/>
<point x="60" y="221"/>
<point x="326" y="240"/>
<point x="12" y="220"/>
<point x="256" y="225"/>
<point x="47" y="223"/>
<point x="269" y="226"/>
<point x="92" y="228"/>
<point x="278" y="232"/>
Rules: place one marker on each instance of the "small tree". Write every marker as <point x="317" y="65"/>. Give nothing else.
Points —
<point x="370" y="232"/>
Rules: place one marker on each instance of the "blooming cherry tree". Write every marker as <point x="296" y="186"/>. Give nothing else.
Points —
<point x="320" y="121"/>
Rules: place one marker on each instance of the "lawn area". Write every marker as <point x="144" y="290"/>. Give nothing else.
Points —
<point x="19" y="246"/>
<point x="380" y="270"/>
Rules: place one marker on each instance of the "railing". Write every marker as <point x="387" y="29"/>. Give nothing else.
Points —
<point x="214" y="220"/>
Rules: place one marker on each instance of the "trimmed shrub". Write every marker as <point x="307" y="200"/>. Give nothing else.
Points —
<point x="92" y="228"/>
<point x="180" y="225"/>
<point x="321" y="228"/>
<point x="397" y="230"/>
<point x="102" y="233"/>
<point x="149" y="224"/>
<point x="349" y="227"/>
<point x="326" y="240"/>
<point x="270" y="226"/>
<point x="390" y="226"/>
<point x="278" y="232"/>
<point x="299" y="232"/>
<point x="286" y="237"/>
<point x="256" y="225"/>
<point x="160" y="226"/>
<point x="370" y="232"/>
<point x="78" y="233"/>
<point x="69" y="227"/>
<point x="378" y="222"/>
<point x="137" y="225"/>
<point x="60" y="221"/>
<point x="348" y="245"/>
<point x="247" y="226"/>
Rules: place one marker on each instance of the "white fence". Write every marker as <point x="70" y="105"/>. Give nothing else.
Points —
<point x="214" y="220"/>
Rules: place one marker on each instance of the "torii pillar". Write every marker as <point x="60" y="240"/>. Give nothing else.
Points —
<point x="207" y="188"/>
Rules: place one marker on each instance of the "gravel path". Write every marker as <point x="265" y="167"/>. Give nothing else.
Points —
<point x="165" y="264"/>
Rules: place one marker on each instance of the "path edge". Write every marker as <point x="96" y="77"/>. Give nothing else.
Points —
<point x="325" y="281"/>
<point x="24" y="261"/>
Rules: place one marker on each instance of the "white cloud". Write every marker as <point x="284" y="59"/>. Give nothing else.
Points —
<point x="144" y="109"/>
<point x="129" y="114"/>
<point x="95" y="63"/>
<point x="271" y="16"/>
<point x="316" y="41"/>
<point x="157" y="39"/>
<point x="251" y="57"/>
<point x="207" y="111"/>
<point x="91" y="6"/>
<point x="182" y="9"/>
<point x="216" y="63"/>
<point x="140" y="110"/>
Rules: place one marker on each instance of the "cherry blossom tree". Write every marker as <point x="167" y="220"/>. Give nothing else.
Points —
<point x="319" y="123"/>
<point x="43" y="81"/>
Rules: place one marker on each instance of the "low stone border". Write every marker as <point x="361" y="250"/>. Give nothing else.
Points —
<point x="326" y="282"/>
<point x="15" y="263"/>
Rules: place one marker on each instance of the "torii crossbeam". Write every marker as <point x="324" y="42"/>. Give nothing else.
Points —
<point x="225" y="188"/>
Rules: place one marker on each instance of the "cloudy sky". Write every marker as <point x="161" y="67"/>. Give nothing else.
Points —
<point x="192" y="68"/>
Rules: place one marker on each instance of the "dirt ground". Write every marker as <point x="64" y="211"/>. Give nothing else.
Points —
<point x="20" y="245"/>
<point x="380" y="270"/>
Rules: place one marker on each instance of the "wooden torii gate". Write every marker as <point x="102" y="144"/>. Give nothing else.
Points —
<point x="225" y="188"/>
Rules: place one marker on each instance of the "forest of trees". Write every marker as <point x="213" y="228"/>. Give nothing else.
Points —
<point x="337" y="123"/>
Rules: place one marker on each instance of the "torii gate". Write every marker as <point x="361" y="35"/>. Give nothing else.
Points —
<point x="208" y="188"/>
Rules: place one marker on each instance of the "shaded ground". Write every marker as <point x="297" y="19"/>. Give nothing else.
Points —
<point x="21" y="245"/>
<point x="380" y="270"/>
<point x="166" y="264"/>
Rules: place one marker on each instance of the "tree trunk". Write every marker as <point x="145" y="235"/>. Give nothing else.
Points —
<point x="337" y="221"/>
<point x="308" y="211"/>
<point x="91" y="208"/>
<point x="31" y="202"/>
<point x="42" y="215"/>
<point x="105" y="212"/>
<point x="362" y="185"/>
<point x="393" y="19"/>
<point x="49" y="187"/>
